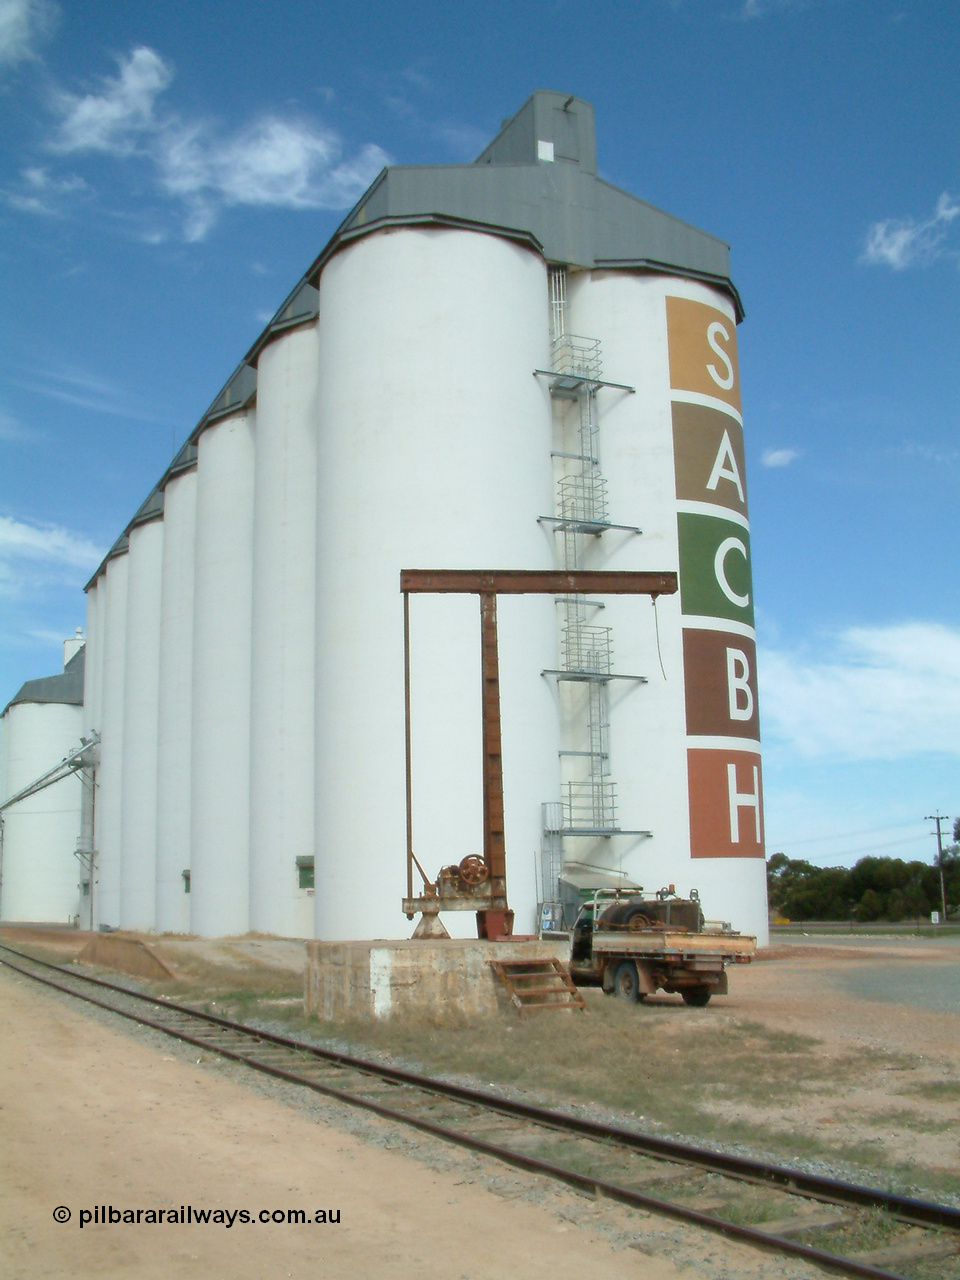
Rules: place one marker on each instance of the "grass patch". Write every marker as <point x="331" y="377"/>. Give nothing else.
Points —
<point x="870" y="1229"/>
<point x="913" y="1121"/>
<point x="936" y="1090"/>
<point x="660" y="1065"/>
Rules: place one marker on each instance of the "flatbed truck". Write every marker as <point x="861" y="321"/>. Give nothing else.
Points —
<point x="632" y="946"/>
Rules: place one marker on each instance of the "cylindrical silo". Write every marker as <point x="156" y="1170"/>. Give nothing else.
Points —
<point x="86" y="848"/>
<point x="175" y="694"/>
<point x="110" y="772"/>
<point x="684" y="747"/>
<point x="138" y="841"/>
<point x="40" y="873"/>
<point x="220" y="734"/>
<point x="434" y="452"/>
<point x="283" y="636"/>
<point x="100" y="654"/>
<point x="91" y="666"/>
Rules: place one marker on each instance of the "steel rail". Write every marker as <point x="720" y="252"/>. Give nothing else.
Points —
<point x="814" y="1186"/>
<point x="914" y="1211"/>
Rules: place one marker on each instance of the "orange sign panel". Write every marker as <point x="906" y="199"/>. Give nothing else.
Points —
<point x="726" y="804"/>
<point x="702" y="343"/>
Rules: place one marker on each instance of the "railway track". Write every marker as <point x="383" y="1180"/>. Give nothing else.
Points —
<point x="776" y="1208"/>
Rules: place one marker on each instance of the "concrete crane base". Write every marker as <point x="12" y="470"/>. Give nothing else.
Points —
<point x="442" y="979"/>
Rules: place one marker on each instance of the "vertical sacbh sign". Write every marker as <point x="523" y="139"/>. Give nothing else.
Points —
<point x="716" y="586"/>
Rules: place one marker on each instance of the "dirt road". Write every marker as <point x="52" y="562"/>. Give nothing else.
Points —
<point x="91" y="1116"/>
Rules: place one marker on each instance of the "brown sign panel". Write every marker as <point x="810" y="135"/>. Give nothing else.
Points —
<point x="720" y="683"/>
<point x="708" y="456"/>
<point x="726" y="804"/>
<point x="703" y="350"/>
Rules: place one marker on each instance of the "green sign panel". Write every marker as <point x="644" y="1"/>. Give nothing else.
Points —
<point x="715" y="577"/>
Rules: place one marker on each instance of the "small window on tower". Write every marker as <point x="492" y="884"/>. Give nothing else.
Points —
<point x="186" y="881"/>
<point x="305" y="872"/>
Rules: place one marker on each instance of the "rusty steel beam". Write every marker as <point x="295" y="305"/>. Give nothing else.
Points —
<point x="408" y="759"/>
<point x="513" y="582"/>
<point x="488" y="584"/>
<point x="493" y="839"/>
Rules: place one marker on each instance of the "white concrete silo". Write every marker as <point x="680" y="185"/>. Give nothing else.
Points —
<point x="220" y="700"/>
<point x="648" y="454"/>
<point x="434" y="453"/>
<point x="91" y="727"/>
<point x="138" y="829"/>
<point x="175" y="703"/>
<point x="109" y="808"/>
<point x="283" y="634"/>
<point x="40" y="872"/>
<point x="91" y="670"/>
<point x="280" y="680"/>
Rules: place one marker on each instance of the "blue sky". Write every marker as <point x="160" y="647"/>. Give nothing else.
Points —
<point x="167" y="173"/>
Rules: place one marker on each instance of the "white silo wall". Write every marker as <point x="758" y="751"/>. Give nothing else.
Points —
<point x="138" y="830"/>
<point x="283" y="636"/>
<point x="91" y="662"/>
<point x="175" y="694"/>
<point x="106" y="903"/>
<point x="220" y="735"/>
<point x="434" y="453"/>
<point x="100" y="654"/>
<point x="5" y="791"/>
<point x="648" y="731"/>
<point x="41" y="874"/>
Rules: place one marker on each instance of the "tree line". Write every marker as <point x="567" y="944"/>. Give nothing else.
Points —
<point x="874" y="889"/>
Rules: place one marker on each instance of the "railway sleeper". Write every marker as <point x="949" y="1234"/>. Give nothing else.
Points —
<point x="925" y="1247"/>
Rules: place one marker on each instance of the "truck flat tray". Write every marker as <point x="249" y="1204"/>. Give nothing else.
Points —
<point x="662" y="942"/>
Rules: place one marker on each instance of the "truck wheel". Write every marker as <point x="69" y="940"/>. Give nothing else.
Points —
<point x="698" y="997"/>
<point x="626" y="983"/>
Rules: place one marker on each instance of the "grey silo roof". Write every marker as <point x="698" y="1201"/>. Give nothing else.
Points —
<point x="559" y="206"/>
<point x="65" y="688"/>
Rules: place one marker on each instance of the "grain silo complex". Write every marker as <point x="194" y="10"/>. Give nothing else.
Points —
<point x="507" y="365"/>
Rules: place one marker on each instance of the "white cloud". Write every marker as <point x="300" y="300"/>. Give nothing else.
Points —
<point x="912" y="450"/>
<point x="34" y="555"/>
<point x="270" y="161"/>
<point x="41" y="193"/>
<point x="84" y="390"/>
<point x="779" y="457"/>
<point x="871" y="693"/>
<point x="905" y="242"/>
<point x="47" y="637"/>
<point x="114" y="119"/>
<point x="24" y="24"/>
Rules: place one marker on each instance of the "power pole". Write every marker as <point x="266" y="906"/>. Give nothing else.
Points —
<point x="938" y="818"/>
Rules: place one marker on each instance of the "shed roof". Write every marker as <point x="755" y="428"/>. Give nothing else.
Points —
<point x="66" y="688"/>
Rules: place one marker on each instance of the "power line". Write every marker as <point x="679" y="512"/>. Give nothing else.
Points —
<point x="939" y="817"/>
<point x="846" y="835"/>
<point x="867" y="848"/>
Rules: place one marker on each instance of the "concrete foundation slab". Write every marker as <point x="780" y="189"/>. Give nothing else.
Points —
<point x="436" y="978"/>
